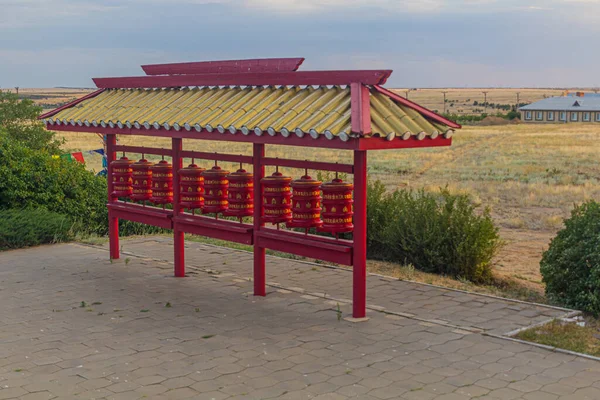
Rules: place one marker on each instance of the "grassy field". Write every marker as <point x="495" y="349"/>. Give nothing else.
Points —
<point x="530" y="176"/>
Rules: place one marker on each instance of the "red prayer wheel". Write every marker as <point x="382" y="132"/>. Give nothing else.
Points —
<point x="337" y="207"/>
<point x="191" y="187"/>
<point x="122" y="177"/>
<point x="216" y="189"/>
<point x="306" y="203"/>
<point x="142" y="180"/>
<point x="162" y="183"/>
<point x="277" y="198"/>
<point x="241" y="194"/>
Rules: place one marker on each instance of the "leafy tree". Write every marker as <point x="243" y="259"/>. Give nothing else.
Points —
<point x="18" y="120"/>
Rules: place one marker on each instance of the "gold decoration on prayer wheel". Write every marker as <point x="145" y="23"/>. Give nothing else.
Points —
<point x="277" y="198"/>
<point x="306" y="203"/>
<point x="191" y="187"/>
<point x="142" y="180"/>
<point x="216" y="189"/>
<point x="162" y="183"/>
<point x="337" y="207"/>
<point x="241" y="194"/>
<point x="122" y="177"/>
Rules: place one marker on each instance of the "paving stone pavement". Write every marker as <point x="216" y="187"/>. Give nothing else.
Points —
<point x="76" y="326"/>
<point x="461" y="309"/>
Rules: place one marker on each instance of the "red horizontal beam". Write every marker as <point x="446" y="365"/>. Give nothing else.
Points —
<point x="144" y="150"/>
<point x="324" y="166"/>
<point x="293" y="140"/>
<point x="138" y="213"/>
<point x="367" y="77"/>
<point x="310" y="246"/>
<point x="411" y="143"/>
<point x="71" y="104"/>
<point x="219" y="67"/>
<point x="426" y="112"/>
<point x="217" y="156"/>
<point x="306" y="141"/>
<point x="218" y="229"/>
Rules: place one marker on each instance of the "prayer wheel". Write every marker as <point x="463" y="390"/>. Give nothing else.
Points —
<point x="306" y="203"/>
<point x="216" y="189"/>
<point x="337" y="207"/>
<point x="122" y="177"/>
<point x="277" y="198"/>
<point x="241" y="194"/>
<point x="142" y="180"/>
<point x="191" y="187"/>
<point x="162" y="183"/>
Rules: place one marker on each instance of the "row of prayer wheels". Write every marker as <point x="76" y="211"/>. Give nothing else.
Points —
<point x="298" y="203"/>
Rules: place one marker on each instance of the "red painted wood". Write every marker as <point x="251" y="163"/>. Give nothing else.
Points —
<point x="359" y="266"/>
<point x="113" y="220"/>
<point x="360" y="105"/>
<point x="367" y="77"/>
<point x="294" y="140"/>
<point x="372" y="143"/>
<point x="325" y="166"/>
<point x="178" y="234"/>
<point x="144" y="150"/>
<point x="426" y="112"/>
<point x="218" y="67"/>
<point x="259" y="268"/>
<point x="412" y="143"/>
<point x="71" y="104"/>
<point x="148" y="215"/>
<point x="218" y="229"/>
<point x="217" y="156"/>
<point x="305" y="246"/>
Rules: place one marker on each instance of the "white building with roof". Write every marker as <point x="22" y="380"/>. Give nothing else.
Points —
<point x="580" y="107"/>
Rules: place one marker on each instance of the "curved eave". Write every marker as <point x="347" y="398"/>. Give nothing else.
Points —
<point x="353" y="142"/>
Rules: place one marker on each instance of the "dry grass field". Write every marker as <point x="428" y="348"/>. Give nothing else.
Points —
<point x="530" y="176"/>
<point x="460" y="101"/>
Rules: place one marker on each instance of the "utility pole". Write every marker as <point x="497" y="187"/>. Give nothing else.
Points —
<point x="407" y="91"/>
<point x="518" y="101"/>
<point x="445" y="101"/>
<point x="485" y="101"/>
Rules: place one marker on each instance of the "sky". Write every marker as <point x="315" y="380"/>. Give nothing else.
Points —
<point x="428" y="43"/>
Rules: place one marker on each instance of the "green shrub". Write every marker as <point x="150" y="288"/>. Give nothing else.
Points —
<point x="31" y="178"/>
<point x="571" y="266"/>
<point x="22" y="228"/>
<point x="439" y="233"/>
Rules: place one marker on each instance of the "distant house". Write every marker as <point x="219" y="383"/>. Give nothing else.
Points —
<point x="579" y="107"/>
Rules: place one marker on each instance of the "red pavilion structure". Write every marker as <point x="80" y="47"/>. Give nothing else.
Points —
<point x="263" y="102"/>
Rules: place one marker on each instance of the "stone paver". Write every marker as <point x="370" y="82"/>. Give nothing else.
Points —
<point x="76" y="326"/>
<point x="427" y="302"/>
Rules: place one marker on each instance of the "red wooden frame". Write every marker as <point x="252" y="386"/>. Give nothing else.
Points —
<point x="366" y="143"/>
<point x="217" y="67"/>
<point x="257" y="73"/>
<point x="366" y="77"/>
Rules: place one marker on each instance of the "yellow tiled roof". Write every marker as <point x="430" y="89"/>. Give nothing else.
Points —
<point x="308" y="110"/>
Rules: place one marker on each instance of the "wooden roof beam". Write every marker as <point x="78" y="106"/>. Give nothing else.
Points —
<point x="366" y="77"/>
<point x="229" y="66"/>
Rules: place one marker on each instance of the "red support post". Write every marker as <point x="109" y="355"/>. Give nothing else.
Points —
<point x="178" y="235"/>
<point x="359" y="268"/>
<point x="113" y="222"/>
<point x="260" y="280"/>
